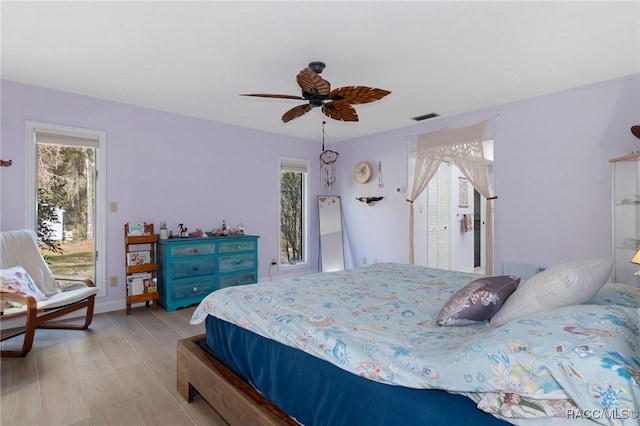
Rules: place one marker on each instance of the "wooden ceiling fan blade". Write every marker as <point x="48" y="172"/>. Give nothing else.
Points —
<point x="340" y="111"/>
<point x="311" y="82"/>
<point x="358" y="94"/>
<point x="268" y="95"/>
<point x="296" y="112"/>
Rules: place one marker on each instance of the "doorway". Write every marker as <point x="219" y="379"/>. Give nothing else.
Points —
<point x="66" y="199"/>
<point x="449" y="244"/>
<point x="465" y="250"/>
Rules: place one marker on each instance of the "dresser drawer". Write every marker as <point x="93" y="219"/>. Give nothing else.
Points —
<point x="236" y="246"/>
<point x="193" y="249"/>
<point x="238" y="279"/>
<point x="195" y="267"/>
<point x="238" y="262"/>
<point x="192" y="288"/>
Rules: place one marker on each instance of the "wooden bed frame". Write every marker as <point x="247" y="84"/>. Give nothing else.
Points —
<point x="200" y="373"/>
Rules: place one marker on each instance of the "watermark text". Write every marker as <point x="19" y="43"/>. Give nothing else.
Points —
<point x="602" y="414"/>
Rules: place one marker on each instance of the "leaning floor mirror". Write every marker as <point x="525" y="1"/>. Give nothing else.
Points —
<point x="331" y="248"/>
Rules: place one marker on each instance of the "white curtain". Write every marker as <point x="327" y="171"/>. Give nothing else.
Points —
<point x="465" y="149"/>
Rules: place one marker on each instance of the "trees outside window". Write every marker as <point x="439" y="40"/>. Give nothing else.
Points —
<point x="293" y="212"/>
<point x="65" y="203"/>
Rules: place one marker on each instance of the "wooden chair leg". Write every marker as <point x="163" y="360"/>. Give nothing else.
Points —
<point x="88" y="303"/>
<point x="29" y="332"/>
<point x="26" y="347"/>
<point x="43" y="321"/>
<point x="89" y="317"/>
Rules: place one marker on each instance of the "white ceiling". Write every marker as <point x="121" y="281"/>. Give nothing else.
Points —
<point x="195" y="58"/>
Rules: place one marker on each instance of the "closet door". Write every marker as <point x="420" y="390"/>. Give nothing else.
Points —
<point x="439" y="218"/>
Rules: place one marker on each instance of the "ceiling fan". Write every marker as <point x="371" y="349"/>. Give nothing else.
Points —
<point x="336" y="103"/>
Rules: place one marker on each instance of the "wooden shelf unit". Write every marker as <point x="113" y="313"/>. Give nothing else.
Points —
<point x="134" y="243"/>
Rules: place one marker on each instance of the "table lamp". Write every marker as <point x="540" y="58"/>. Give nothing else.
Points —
<point x="636" y="260"/>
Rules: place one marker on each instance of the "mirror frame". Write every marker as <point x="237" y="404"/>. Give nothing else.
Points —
<point x="330" y="233"/>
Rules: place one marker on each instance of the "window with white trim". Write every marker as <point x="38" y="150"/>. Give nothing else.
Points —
<point x="292" y="240"/>
<point x="48" y="145"/>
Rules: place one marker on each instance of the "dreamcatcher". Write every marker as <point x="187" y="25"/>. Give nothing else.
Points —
<point x="328" y="160"/>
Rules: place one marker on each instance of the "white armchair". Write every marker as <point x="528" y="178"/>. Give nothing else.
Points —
<point x="43" y="302"/>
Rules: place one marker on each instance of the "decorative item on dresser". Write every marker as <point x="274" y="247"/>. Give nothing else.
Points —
<point x="140" y="257"/>
<point x="191" y="268"/>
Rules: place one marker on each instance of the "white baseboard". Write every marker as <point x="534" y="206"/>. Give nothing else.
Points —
<point x="101" y="308"/>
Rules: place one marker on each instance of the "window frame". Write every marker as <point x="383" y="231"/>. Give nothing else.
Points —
<point x="31" y="181"/>
<point x="301" y="163"/>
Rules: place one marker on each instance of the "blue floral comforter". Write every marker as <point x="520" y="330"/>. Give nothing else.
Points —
<point x="378" y="321"/>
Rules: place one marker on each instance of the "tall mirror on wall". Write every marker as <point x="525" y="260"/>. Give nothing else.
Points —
<point x="331" y="248"/>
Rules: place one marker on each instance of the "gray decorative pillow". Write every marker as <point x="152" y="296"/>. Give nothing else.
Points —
<point x="477" y="301"/>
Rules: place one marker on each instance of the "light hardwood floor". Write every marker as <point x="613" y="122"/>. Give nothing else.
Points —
<point x="122" y="371"/>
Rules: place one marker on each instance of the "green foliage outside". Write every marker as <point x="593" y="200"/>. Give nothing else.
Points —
<point x="66" y="182"/>
<point x="291" y="198"/>
<point x="47" y="216"/>
<point x="65" y="173"/>
<point x="76" y="259"/>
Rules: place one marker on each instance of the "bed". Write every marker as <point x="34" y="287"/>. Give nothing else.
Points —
<point x="362" y="347"/>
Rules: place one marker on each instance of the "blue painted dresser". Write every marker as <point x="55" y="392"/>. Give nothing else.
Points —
<point x="191" y="268"/>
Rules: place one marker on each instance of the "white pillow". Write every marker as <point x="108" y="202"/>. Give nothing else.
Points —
<point x="568" y="284"/>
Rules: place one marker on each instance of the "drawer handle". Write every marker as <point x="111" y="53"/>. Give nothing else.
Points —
<point x="238" y="262"/>
<point x="195" y="250"/>
<point x="195" y="289"/>
<point x="195" y="268"/>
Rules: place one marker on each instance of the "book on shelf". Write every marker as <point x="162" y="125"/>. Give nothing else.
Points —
<point x="134" y="285"/>
<point x="152" y="285"/>
<point x="135" y="229"/>
<point x="141" y="257"/>
<point x="141" y="283"/>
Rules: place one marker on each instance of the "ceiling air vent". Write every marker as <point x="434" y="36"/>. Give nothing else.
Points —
<point x="426" y="116"/>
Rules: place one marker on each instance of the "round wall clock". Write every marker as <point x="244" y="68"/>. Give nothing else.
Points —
<point x="362" y="172"/>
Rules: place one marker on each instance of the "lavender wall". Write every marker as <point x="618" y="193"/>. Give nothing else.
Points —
<point x="551" y="173"/>
<point x="161" y="167"/>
